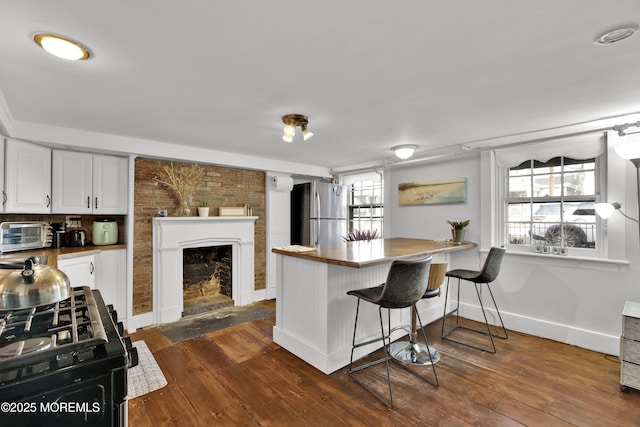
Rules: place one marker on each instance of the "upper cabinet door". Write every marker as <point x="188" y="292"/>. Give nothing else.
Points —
<point x="71" y="182"/>
<point x="110" y="180"/>
<point x="27" y="177"/>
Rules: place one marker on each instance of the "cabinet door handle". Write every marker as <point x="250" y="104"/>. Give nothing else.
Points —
<point x="91" y="268"/>
<point x="96" y="204"/>
<point x="48" y="201"/>
<point x="88" y="202"/>
<point x="4" y="198"/>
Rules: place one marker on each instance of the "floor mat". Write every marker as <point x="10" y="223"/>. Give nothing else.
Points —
<point x="196" y="325"/>
<point x="147" y="376"/>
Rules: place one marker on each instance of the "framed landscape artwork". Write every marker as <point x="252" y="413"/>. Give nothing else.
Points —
<point x="448" y="190"/>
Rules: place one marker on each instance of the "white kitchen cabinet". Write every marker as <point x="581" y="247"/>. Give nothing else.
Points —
<point x="111" y="279"/>
<point x="86" y="183"/>
<point x="27" y="186"/>
<point x="71" y="182"/>
<point x="630" y="347"/>
<point x="81" y="270"/>
<point x="110" y="178"/>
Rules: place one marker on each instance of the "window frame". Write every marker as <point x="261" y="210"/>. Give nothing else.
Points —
<point x="503" y="200"/>
<point x="352" y="206"/>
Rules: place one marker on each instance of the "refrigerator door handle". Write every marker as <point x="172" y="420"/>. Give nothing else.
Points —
<point x="316" y="214"/>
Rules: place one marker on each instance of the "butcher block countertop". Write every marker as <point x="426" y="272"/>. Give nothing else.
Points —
<point x="364" y="253"/>
<point x="61" y="253"/>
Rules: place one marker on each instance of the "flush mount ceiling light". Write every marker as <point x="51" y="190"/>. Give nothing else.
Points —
<point x="293" y="120"/>
<point x="62" y="47"/>
<point x="616" y="35"/>
<point x="404" y="151"/>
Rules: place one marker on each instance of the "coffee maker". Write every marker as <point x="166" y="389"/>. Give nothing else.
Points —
<point x="59" y="231"/>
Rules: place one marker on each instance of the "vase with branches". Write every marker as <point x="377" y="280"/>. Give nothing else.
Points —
<point x="182" y="181"/>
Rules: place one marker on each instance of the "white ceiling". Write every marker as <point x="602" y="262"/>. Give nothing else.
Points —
<point x="369" y="74"/>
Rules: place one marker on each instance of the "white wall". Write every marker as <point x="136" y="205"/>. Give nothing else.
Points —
<point x="569" y="300"/>
<point x="429" y="221"/>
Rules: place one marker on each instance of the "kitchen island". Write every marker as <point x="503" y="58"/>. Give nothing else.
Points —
<point x="314" y="314"/>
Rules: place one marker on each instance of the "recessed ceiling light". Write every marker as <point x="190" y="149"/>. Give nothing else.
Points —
<point x="62" y="47"/>
<point x="616" y="35"/>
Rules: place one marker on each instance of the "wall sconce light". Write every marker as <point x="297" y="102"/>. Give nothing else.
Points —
<point x="404" y="151"/>
<point x="62" y="47"/>
<point x="605" y="210"/>
<point x="293" y="120"/>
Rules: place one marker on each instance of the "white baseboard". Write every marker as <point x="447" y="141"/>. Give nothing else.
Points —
<point x="140" y="321"/>
<point x="590" y="340"/>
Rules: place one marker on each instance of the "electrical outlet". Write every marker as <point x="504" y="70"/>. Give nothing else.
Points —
<point x="73" y="221"/>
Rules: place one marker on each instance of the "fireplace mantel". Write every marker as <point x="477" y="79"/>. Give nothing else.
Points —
<point x="172" y="234"/>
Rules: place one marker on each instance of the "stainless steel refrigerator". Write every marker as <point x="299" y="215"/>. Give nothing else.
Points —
<point x="318" y="213"/>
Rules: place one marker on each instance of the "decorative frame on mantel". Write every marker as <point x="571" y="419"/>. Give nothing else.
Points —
<point x="437" y="191"/>
<point x="232" y="211"/>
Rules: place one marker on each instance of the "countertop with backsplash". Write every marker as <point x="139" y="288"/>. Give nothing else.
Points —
<point x="54" y="254"/>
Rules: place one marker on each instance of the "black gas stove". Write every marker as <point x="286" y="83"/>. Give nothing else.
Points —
<point x="64" y="363"/>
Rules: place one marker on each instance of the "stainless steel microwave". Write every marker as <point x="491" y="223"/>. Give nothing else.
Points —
<point x="19" y="236"/>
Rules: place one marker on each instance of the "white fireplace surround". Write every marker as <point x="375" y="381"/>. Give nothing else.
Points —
<point x="172" y="234"/>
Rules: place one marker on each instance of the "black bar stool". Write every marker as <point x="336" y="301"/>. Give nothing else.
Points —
<point x="413" y="352"/>
<point x="405" y="285"/>
<point x="486" y="275"/>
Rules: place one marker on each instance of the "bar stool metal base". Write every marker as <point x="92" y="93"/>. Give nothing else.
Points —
<point x="413" y="353"/>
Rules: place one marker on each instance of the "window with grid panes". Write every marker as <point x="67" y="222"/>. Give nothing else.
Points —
<point x="552" y="203"/>
<point x="366" y="209"/>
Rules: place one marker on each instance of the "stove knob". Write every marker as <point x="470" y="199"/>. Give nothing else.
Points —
<point x="127" y="343"/>
<point x="113" y="313"/>
<point x="132" y="355"/>
<point x="120" y="327"/>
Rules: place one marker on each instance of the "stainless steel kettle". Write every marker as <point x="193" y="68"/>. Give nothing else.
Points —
<point x="29" y="284"/>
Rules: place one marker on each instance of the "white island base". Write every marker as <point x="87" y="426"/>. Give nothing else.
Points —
<point x="315" y="316"/>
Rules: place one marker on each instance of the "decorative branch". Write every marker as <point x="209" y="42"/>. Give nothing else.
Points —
<point x="182" y="181"/>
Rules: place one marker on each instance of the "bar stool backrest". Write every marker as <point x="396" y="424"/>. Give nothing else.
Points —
<point x="437" y="274"/>
<point x="491" y="267"/>
<point x="406" y="283"/>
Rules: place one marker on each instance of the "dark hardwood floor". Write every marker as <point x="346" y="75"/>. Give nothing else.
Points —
<point x="238" y="376"/>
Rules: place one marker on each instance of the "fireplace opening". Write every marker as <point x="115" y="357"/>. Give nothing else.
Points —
<point x="206" y="278"/>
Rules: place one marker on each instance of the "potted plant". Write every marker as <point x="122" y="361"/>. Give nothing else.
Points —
<point x="361" y="235"/>
<point x="203" y="210"/>
<point x="458" y="229"/>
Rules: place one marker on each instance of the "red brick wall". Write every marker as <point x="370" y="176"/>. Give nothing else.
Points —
<point x="221" y="187"/>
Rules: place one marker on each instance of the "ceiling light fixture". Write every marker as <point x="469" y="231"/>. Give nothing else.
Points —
<point x="616" y="35"/>
<point x="404" y="151"/>
<point x="62" y="47"/>
<point x="293" y="120"/>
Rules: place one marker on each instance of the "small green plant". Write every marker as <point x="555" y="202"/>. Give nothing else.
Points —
<point x="204" y="204"/>
<point x="458" y="225"/>
<point x="361" y="235"/>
